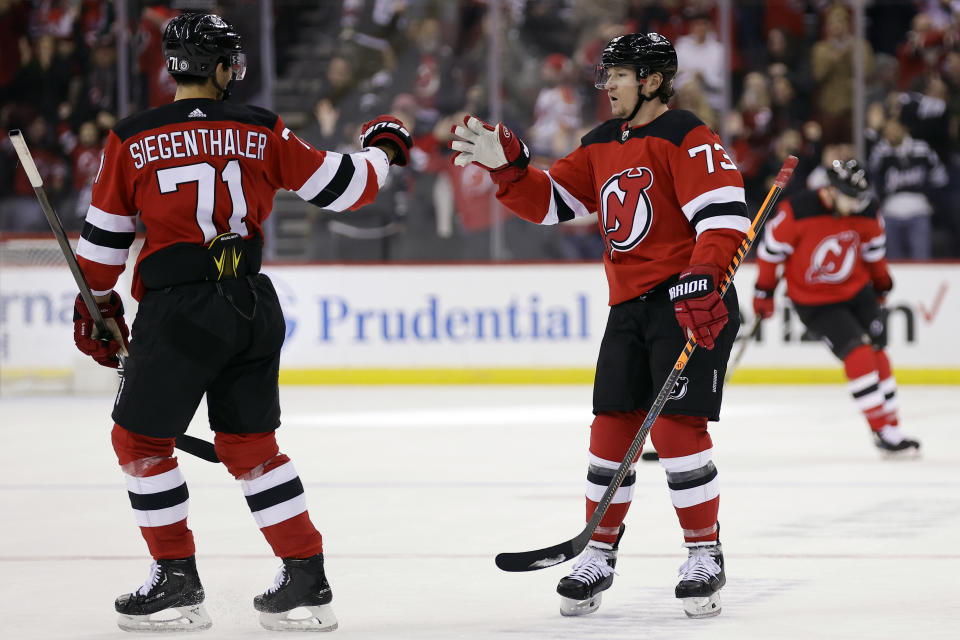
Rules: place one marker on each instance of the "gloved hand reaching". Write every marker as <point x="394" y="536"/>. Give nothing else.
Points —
<point x="387" y="130"/>
<point x="104" y="349"/>
<point x="763" y="303"/>
<point x="496" y="149"/>
<point x="697" y="304"/>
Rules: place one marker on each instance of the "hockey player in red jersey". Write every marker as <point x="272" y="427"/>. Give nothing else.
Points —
<point x="831" y="244"/>
<point x="670" y="205"/>
<point x="202" y="174"/>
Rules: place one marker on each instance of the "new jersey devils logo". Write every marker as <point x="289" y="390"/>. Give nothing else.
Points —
<point x="833" y="258"/>
<point x="679" y="388"/>
<point x="625" y="209"/>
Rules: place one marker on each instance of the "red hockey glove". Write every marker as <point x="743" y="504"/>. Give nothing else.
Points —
<point x="698" y="305"/>
<point x="387" y="130"/>
<point x="882" y="284"/>
<point x="763" y="303"/>
<point x="87" y="336"/>
<point x="496" y="149"/>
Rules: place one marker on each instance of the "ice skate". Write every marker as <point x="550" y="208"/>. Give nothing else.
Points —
<point x="582" y="590"/>
<point x="170" y="600"/>
<point x="894" y="444"/>
<point x="299" y="599"/>
<point x="701" y="578"/>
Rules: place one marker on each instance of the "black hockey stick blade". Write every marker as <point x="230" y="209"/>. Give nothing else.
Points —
<point x="196" y="446"/>
<point x="543" y="558"/>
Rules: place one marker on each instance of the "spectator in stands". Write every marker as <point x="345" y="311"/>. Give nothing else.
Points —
<point x="831" y="62"/>
<point x="22" y="212"/>
<point x="920" y="52"/>
<point x="904" y="171"/>
<point x="43" y="80"/>
<point x="703" y="57"/>
<point x="556" y="118"/>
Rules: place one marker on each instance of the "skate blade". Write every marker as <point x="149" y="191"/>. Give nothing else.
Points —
<point x="176" y="619"/>
<point x="571" y="607"/>
<point x="705" y="607"/>
<point x="318" y="618"/>
<point x="913" y="453"/>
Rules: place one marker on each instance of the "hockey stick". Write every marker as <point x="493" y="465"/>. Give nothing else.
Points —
<point x="549" y="556"/>
<point x="743" y="340"/>
<point x="189" y="444"/>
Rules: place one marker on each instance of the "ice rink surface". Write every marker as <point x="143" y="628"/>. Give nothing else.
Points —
<point x="417" y="488"/>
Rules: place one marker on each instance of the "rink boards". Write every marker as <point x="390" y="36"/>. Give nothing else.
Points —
<point x="529" y="323"/>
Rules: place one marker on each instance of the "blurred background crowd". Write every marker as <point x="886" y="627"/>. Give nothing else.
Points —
<point x="786" y="85"/>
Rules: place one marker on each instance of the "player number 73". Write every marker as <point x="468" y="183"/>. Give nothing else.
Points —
<point x="725" y="163"/>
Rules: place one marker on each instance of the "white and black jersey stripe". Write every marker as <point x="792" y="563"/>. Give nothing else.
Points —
<point x="563" y="205"/>
<point x="720" y="208"/>
<point x="158" y="500"/>
<point x="275" y="496"/>
<point x="341" y="180"/>
<point x="875" y="249"/>
<point x="106" y="238"/>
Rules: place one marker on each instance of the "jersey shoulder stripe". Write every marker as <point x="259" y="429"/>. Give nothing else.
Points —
<point x="673" y="126"/>
<point x="192" y="111"/>
<point x="608" y="131"/>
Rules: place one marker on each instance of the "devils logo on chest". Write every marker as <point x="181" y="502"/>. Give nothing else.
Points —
<point x="834" y="257"/>
<point x="625" y="209"/>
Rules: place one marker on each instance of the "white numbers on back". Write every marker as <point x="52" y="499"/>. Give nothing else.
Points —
<point x="725" y="162"/>
<point x="205" y="175"/>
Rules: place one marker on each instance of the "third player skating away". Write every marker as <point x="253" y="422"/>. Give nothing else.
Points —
<point x="202" y="175"/>
<point x="832" y="247"/>
<point x="670" y="205"/>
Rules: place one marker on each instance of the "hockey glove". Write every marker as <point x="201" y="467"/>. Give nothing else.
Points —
<point x="697" y="304"/>
<point x="882" y="284"/>
<point x="496" y="149"/>
<point x="763" y="303"/>
<point x="387" y="130"/>
<point x="103" y="349"/>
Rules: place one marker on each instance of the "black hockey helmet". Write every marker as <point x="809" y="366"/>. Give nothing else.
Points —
<point x="193" y="44"/>
<point x="849" y="177"/>
<point x="647" y="53"/>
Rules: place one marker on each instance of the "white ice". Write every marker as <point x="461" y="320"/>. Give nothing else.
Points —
<point x="417" y="488"/>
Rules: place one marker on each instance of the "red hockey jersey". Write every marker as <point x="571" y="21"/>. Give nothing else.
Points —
<point x="194" y="169"/>
<point x="666" y="196"/>
<point x="827" y="258"/>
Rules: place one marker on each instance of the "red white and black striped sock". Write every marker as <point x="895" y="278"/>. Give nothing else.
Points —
<point x="888" y="386"/>
<point x="610" y="436"/>
<point x="157" y="491"/>
<point x="863" y="375"/>
<point x="273" y="491"/>
<point x="686" y="450"/>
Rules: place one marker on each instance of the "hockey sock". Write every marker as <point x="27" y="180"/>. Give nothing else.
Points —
<point x="273" y="490"/>
<point x="158" y="492"/>
<point x="861" y="366"/>
<point x="888" y="386"/>
<point x="685" y="450"/>
<point x="610" y="436"/>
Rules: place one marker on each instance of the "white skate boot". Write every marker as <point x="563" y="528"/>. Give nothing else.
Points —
<point x="701" y="578"/>
<point x="582" y="590"/>
<point x="894" y="444"/>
